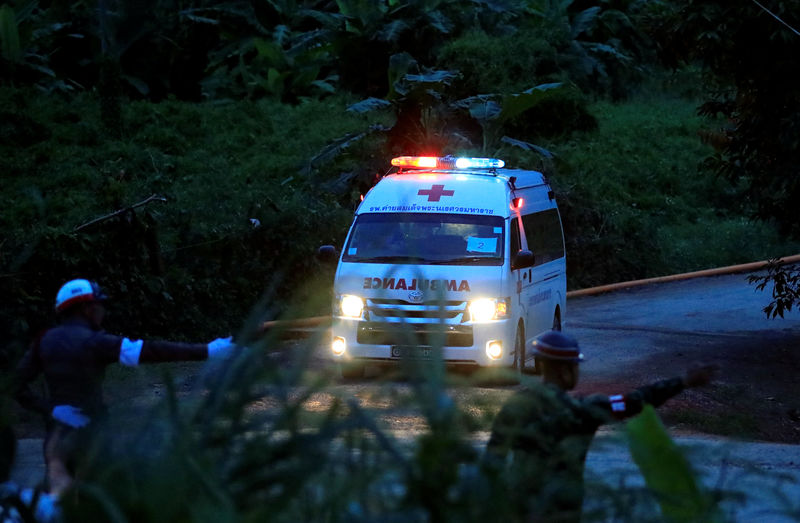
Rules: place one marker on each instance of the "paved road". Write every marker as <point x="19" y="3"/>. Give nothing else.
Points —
<point x="757" y="481"/>
<point x="628" y="326"/>
<point x="658" y="330"/>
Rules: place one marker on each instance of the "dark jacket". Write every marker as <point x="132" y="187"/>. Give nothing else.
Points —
<point x="73" y="358"/>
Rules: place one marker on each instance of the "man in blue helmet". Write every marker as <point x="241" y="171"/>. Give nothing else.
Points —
<point x="73" y="357"/>
<point x="541" y="435"/>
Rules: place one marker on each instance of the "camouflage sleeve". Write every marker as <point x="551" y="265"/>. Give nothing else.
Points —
<point x="536" y="419"/>
<point x="509" y="424"/>
<point x="632" y="403"/>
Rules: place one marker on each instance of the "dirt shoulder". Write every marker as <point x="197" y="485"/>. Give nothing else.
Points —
<point x="754" y="395"/>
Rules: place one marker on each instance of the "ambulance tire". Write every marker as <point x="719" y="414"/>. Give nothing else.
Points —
<point x="519" y="350"/>
<point x="352" y="371"/>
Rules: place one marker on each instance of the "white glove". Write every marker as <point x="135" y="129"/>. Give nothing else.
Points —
<point x="46" y="509"/>
<point x="220" y="347"/>
<point x="72" y="416"/>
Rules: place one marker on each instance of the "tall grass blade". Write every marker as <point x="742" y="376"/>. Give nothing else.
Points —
<point x="666" y="471"/>
<point x="9" y="34"/>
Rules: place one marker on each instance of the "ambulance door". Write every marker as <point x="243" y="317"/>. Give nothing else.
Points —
<point x="518" y="276"/>
<point x="545" y="241"/>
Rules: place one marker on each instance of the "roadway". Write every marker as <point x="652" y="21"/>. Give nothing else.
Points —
<point x="638" y="334"/>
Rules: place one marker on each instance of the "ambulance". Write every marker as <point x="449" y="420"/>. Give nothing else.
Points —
<point x="458" y="258"/>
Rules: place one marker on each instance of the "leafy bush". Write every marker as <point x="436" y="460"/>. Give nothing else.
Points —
<point x="238" y="212"/>
<point x="488" y="65"/>
<point x="264" y="437"/>
<point x="629" y="205"/>
<point x="785" y="282"/>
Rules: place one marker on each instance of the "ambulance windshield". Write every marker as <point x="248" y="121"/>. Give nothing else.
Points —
<point x="423" y="238"/>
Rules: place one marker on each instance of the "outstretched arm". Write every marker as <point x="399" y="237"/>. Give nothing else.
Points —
<point x="655" y="394"/>
<point x="134" y="352"/>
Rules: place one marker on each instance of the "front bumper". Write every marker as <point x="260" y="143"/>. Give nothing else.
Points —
<point x="463" y="344"/>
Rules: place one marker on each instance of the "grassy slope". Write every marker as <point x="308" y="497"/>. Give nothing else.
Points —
<point x="642" y="172"/>
<point x="212" y="160"/>
<point x="631" y="195"/>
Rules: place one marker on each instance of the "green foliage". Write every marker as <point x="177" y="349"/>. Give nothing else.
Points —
<point x="714" y="241"/>
<point x="237" y="213"/>
<point x="600" y="47"/>
<point x="9" y="34"/>
<point x="263" y="437"/>
<point x="756" y="147"/>
<point x="26" y="38"/>
<point x="487" y="66"/>
<point x="495" y="113"/>
<point x="632" y="208"/>
<point x="785" y="283"/>
<point x="667" y="472"/>
<point x="429" y="121"/>
<point x="731" y="41"/>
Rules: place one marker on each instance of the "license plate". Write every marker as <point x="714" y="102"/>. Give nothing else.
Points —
<point x="404" y="351"/>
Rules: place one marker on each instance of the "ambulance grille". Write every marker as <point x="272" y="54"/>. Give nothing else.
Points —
<point x="400" y="310"/>
<point x="415" y="334"/>
<point x="399" y="322"/>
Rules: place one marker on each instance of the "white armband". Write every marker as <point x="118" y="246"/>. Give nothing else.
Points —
<point x="617" y="403"/>
<point x="129" y="352"/>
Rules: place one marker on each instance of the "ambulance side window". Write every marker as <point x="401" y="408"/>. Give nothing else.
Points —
<point x="543" y="231"/>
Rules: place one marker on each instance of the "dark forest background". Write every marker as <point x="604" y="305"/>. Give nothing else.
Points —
<point x="668" y="128"/>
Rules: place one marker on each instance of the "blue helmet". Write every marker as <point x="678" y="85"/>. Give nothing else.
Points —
<point x="78" y="291"/>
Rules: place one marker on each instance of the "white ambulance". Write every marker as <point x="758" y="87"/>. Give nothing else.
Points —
<point x="449" y="257"/>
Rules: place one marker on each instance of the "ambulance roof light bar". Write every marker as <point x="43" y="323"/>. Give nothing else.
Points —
<point x="446" y="162"/>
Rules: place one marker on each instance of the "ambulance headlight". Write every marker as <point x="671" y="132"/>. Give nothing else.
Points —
<point x="351" y="306"/>
<point x="488" y="309"/>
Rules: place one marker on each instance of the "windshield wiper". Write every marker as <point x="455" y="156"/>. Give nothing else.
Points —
<point x="390" y="259"/>
<point x="464" y="260"/>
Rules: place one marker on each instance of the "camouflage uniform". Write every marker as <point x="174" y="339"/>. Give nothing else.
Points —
<point x="540" y="439"/>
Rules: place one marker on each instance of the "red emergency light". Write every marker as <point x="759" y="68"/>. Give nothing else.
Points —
<point x="446" y="162"/>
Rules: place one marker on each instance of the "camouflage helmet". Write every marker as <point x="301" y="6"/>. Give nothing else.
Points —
<point x="557" y="346"/>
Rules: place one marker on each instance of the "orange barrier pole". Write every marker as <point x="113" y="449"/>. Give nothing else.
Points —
<point x="732" y="269"/>
<point x="299" y="323"/>
<point x="325" y="321"/>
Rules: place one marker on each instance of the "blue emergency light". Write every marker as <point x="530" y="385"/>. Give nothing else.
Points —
<point x="446" y="162"/>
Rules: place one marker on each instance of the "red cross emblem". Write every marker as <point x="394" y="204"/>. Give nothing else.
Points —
<point x="435" y="193"/>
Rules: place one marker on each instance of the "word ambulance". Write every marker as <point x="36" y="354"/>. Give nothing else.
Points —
<point x="458" y="257"/>
<point x="400" y="283"/>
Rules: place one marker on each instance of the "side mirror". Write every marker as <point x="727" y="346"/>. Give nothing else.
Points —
<point x="522" y="260"/>
<point x="327" y="254"/>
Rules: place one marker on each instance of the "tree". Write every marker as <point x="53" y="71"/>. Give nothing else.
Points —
<point x="785" y="285"/>
<point x="746" y="51"/>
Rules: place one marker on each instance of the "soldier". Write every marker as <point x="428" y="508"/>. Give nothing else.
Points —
<point x="541" y="435"/>
<point x="73" y="357"/>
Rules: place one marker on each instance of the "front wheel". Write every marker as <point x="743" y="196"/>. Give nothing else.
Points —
<point x="557" y="320"/>
<point x="519" y="351"/>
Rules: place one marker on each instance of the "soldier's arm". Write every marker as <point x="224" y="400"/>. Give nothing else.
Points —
<point x="111" y="349"/>
<point x="655" y="394"/>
